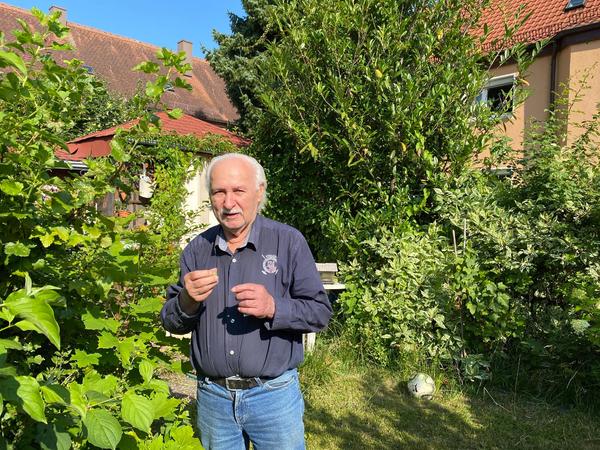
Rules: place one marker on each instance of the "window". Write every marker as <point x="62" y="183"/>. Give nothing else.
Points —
<point x="169" y="87"/>
<point x="497" y="92"/>
<point x="574" y="4"/>
<point x="89" y="69"/>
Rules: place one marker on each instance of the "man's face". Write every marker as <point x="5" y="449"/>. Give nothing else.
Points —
<point x="234" y="195"/>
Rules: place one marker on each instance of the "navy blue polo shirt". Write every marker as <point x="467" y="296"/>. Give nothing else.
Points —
<point x="224" y="341"/>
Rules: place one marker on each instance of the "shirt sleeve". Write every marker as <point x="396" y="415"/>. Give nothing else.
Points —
<point x="173" y="318"/>
<point x="308" y="308"/>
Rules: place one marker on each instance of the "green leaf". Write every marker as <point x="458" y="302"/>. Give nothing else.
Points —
<point x="106" y="385"/>
<point x="36" y="312"/>
<point x="118" y="151"/>
<point x="159" y="386"/>
<point x="146" y="369"/>
<point x="96" y="323"/>
<point x="50" y="438"/>
<point x="471" y="307"/>
<point x="84" y="359"/>
<point x="103" y="429"/>
<point x="77" y="399"/>
<point x="47" y="240"/>
<point x="29" y="392"/>
<point x="7" y="371"/>
<point x="147" y="67"/>
<point x="107" y="340"/>
<point x="153" y="90"/>
<point x="164" y="406"/>
<point x="10" y="343"/>
<point x="137" y="411"/>
<point x="62" y="232"/>
<point x="6" y="315"/>
<point x="17" y="249"/>
<point x="175" y="113"/>
<point x="13" y="60"/>
<point x="125" y="349"/>
<point x="55" y="393"/>
<point x="147" y="305"/>
<point x="50" y="295"/>
<point x="181" y="83"/>
<point x="11" y="187"/>
<point x="184" y="436"/>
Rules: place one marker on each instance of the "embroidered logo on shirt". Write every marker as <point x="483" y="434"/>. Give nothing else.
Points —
<point x="270" y="264"/>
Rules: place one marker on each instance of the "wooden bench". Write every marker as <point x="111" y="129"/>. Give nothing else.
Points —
<point x="328" y="272"/>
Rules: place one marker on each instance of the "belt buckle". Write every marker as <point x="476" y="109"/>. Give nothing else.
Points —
<point x="236" y="381"/>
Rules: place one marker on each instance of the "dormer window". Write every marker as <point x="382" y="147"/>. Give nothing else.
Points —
<point x="169" y="87"/>
<point x="89" y="69"/>
<point x="572" y="4"/>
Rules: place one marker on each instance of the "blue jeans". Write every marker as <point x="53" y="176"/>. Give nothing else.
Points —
<point x="269" y="415"/>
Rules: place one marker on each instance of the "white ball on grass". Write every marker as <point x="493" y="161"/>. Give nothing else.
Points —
<point x="421" y="385"/>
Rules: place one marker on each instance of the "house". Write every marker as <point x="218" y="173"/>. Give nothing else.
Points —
<point x="206" y="107"/>
<point x="111" y="58"/>
<point x="97" y="144"/>
<point x="572" y="55"/>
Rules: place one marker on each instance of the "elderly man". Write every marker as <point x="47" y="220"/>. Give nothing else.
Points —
<point x="248" y="290"/>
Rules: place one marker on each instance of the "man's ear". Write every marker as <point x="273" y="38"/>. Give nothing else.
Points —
<point x="261" y="192"/>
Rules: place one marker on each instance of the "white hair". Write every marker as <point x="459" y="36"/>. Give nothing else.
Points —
<point x="259" y="172"/>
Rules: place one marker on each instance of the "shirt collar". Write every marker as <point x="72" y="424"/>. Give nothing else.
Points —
<point x="251" y="239"/>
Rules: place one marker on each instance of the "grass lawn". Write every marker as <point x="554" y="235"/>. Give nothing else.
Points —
<point x="349" y="406"/>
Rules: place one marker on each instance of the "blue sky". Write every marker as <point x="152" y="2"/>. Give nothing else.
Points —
<point x="160" y="23"/>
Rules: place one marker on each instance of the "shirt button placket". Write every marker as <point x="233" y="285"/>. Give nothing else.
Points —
<point x="232" y="340"/>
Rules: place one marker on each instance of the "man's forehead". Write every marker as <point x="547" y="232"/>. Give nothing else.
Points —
<point x="233" y="166"/>
<point x="233" y="162"/>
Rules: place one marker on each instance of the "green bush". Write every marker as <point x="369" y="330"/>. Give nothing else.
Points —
<point x="363" y="115"/>
<point x="80" y="342"/>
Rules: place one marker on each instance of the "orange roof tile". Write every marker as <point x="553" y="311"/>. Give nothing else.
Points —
<point x="98" y="143"/>
<point x="112" y="57"/>
<point x="548" y="17"/>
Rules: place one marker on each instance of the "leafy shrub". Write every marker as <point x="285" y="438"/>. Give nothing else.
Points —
<point x="80" y="342"/>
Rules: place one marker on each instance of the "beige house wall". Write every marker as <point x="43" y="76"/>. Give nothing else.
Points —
<point x="536" y="104"/>
<point x="574" y="64"/>
<point x="197" y="200"/>
<point x="584" y="81"/>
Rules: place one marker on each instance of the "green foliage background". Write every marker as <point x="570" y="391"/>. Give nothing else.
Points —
<point x="363" y="114"/>
<point x="80" y="293"/>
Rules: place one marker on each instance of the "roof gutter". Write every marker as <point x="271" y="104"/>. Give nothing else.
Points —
<point x="555" y="47"/>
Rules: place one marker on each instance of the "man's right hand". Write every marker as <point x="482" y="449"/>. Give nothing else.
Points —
<point x="197" y="287"/>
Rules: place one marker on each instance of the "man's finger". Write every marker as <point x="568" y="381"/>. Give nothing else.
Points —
<point x="245" y="295"/>
<point x="199" y="290"/>
<point x="198" y="274"/>
<point x="244" y="287"/>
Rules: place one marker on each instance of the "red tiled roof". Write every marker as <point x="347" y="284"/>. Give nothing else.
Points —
<point x="548" y="17"/>
<point x="98" y="143"/>
<point x="112" y="57"/>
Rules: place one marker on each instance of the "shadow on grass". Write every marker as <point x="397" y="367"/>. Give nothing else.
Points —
<point x="372" y="411"/>
<point x="388" y="419"/>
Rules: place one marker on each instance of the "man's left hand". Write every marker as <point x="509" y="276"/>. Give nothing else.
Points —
<point x="254" y="300"/>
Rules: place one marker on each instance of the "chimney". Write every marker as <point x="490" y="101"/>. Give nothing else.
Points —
<point x="186" y="47"/>
<point x="63" y="14"/>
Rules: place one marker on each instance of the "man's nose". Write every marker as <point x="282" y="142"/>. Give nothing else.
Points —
<point x="229" y="200"/>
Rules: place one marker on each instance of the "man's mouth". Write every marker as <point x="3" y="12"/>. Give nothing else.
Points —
<point x="229" y="214"/>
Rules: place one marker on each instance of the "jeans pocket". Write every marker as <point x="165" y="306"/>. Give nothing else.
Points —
<point x="280" y="382"/>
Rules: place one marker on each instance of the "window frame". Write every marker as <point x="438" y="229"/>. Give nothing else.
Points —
<point x="572" y="4"/>
<point x="509" y="79"/>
